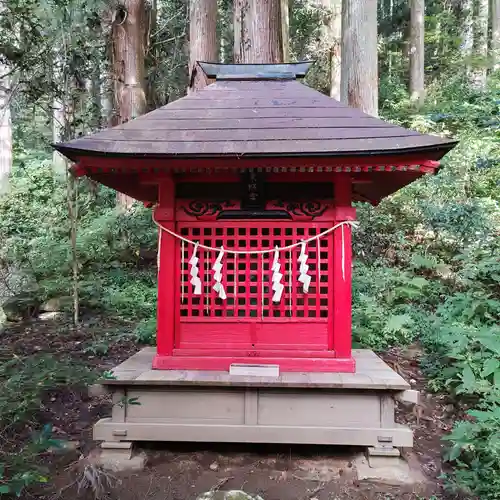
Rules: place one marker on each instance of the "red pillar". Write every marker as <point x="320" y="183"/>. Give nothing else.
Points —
<point x="342" y="267"/>
<point x="167" y="278"/>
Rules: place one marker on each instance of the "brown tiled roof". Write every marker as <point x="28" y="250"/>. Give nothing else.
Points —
<point x="256" y="118"/>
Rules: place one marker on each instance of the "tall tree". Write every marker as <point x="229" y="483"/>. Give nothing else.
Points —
<point x="5" y="128"/>
<point x="390" y="28"/>
<point x="417" y="13"/>
<point x="257" y="31"/>
<point x="152" y="42"/>
<point x="60" y="103"/>
<point x="58" y="126"/>
<point x="129" y="30"/>
<point x="331" y="34"/>
<point x="285" y="30"/>
<point x="359" y="65"/>
<point x="5" y="121"/>
<point x="203" y="44"/>
<point x="481" y="43"/>
<point x="468" y="30"/>
<point x="495" y="33"/>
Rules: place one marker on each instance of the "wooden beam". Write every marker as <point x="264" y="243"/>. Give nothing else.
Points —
<point x="341" y="337"/>
<point x="167" y="307"/>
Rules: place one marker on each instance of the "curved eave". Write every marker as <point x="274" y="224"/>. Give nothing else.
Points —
<point x="434" y="152"/>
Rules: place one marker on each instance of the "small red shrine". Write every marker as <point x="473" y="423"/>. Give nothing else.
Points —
<point x="253" y="179"/>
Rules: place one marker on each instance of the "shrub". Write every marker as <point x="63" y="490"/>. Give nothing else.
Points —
<point x="34" y="236"/>
<point x="475" y="449"/>
<point x="145" y="332"/>
<point x="24" y="381"/>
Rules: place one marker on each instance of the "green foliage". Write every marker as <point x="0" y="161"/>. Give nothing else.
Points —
<point x="462" y="338"/>
<point x="34" y="231"/>
<point x="428" y="269"/>
<point x="24" y="382"/>
<point x="145" y="332"/>
<point x="19" y="481"/>
<point x="475" y="449"/>
<point x="125" y="401"/>
<point x="135" y="299"/>
<point x="383" y="305"/>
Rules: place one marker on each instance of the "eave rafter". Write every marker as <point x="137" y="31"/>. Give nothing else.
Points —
<point x="425" y="167"/>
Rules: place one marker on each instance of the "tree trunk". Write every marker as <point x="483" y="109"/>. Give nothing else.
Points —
<point x="5" y="126"/>
<point x="359" y="55"/>
<point x="495" y="33"/>
<point x="468" y="31"/>
<point x="257" y="31"/>
<point x="72" y="200"/>
<point x="128" y="32"/>
<point x="202" y="39"/>
<point x="96" y="97"/>
<point x="481" y="44"/>
<point x="59" y="125"/>
<point x="5" y="129"/>
<point x="417" y="15"/>
<point x="391" y="56"/>
<point x="60" y="105"/>
<point x="107" y="100"/>
<point x="152" y="55"/>
<point x="107" y="71"/>
<point x="331" y="34"/>
<point x="285" y="30"/>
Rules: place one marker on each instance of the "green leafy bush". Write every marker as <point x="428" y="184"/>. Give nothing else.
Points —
<point x="34" y="242"/>
<point x="24" y="382"/>
<point x="463" y="341"/>
<point x="475" y="449"/>
<point x="145" y="332"/>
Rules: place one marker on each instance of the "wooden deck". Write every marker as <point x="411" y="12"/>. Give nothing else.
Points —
<point x="317" y="408"/>
<point x="371" y="374"/>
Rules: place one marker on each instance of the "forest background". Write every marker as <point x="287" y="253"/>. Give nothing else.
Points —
<point x="427" y="266"/>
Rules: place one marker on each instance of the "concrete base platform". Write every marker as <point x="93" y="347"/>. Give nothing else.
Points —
<point x="116" y="462"/>
<point x="307" y="408"/>
<point x="394" y="471"/>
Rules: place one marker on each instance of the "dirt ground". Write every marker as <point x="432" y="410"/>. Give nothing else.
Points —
<point x="182" y="471"/>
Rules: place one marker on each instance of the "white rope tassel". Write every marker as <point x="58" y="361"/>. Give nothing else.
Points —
<point x="217" y="267"/>
<point x="262" y="287"/>
<point x="277" y="287"/>
<point x="182" y="271"/>
<point x="304" y="278"/>
<point x="194" y="271"/>
<point x="343" y="254"/>
<point x="318" y="261"/>
<point x="158" y="255"/>
<point x="291" y="273"/>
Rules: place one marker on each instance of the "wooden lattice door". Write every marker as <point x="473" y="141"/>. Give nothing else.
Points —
<point x="248" y="319"/>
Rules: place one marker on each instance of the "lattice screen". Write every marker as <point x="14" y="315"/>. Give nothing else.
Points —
<point x="247" y="278"/>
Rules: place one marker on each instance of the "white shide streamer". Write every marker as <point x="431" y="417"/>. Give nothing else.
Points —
<point x="195" y="271"/>
<point x="277" y="287"/>
<point x="217" y="268"/>
<point x="304" y="278"/>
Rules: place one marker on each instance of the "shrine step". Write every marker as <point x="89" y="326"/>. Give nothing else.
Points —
<point x="286" y="364"/>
